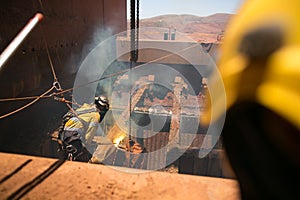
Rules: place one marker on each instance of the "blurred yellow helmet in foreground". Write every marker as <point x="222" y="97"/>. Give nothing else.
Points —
<point x="260" y="57"/>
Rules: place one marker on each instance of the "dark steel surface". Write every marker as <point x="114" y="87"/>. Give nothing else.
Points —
<point x="70" y="30"/>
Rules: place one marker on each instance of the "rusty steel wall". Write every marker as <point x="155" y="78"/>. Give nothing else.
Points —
<point x="70" y="29"/>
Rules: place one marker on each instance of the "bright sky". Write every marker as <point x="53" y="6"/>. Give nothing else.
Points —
<point x="152" y="8"/>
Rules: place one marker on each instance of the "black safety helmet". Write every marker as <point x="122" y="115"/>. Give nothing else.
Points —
<point x="102" y="103"/>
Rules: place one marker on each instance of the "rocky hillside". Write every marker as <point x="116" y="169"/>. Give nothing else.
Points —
<point x="205" y="29"/>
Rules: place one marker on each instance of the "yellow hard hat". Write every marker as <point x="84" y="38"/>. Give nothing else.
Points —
<point x="260" y="57"/>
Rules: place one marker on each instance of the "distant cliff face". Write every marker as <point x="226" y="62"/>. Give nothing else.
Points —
<point x="204" y="29"/>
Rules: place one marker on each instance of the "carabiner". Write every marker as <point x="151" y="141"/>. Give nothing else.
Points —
<point x="57" y="86"/>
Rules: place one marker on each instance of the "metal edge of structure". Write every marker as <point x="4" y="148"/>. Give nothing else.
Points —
<point x="32" y="177"/>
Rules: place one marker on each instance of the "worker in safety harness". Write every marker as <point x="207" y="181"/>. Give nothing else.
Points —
<point x="79" y="128"/>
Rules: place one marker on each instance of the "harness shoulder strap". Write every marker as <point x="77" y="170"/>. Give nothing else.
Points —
<point x="80" y="112"/>
<point x="84" y="123"/>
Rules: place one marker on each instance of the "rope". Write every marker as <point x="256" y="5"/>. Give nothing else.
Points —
<point x="126" y="70"/>
<point x="50" y="60"/>
<point x="102" y="78"/>
<point x="66" y="101"/>
<point x="20" y="98"/>
<point x="27" y="105"/>
<point x="55" y="82"/>
<point x="55" y="85"/>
